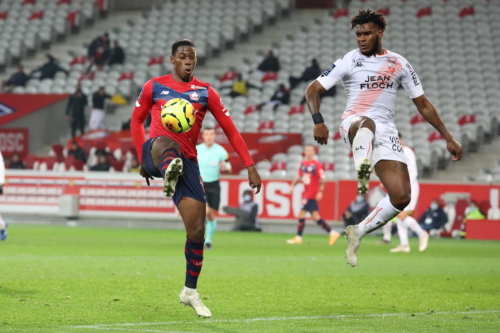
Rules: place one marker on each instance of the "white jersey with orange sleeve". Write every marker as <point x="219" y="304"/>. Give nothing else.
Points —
<point x="371" y="83"/>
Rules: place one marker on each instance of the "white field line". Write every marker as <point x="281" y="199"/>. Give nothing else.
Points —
<point x="211" y="321"/>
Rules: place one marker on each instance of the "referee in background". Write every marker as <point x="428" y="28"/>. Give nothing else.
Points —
<point x="212" y="159"/>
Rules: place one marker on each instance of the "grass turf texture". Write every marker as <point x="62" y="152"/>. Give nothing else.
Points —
<point x="61" y="279"/>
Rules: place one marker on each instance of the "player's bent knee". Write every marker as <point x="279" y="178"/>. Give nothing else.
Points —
<point x="401" y="200"/>
<point x="197" y="233"/>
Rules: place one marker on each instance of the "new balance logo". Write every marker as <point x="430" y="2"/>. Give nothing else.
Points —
<point x="165" y="92"/>
<point x="359" y="64"/>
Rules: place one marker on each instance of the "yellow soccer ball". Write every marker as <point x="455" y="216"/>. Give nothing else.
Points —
<point x="178" y="115"/>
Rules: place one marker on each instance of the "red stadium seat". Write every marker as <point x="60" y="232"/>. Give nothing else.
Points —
<point x="73" y="18"/>
<point x="466" y="11"/>
<point x="126" y="76"/>
<point x="3" y="15"/>
<point x="417" y="119"/>
<point x="28" y="2"/>
<point x="329" y="166"/>
<point x="63" y="2"/>
<point x="117" y="165"/>
<point x="269" y="76"/>
<point x="296" y="109"/>
<point x="337" y="136"/>
<point x="278" y="166"/>
<point x="251" y="109"/>
<point x="87" y="76"/>
<point x="384" y="11"/>
<point x="228" y="76"/>
<point x="102" y="5"/>
<point x="484" y="206"/>
<point x="29" y="161"/>
<point x="78" y="60"/>
<point x="58" y="151"/>
<point x="36" y="16"/>
<point x="101" y="145"/>
<point x="156" y="60"/>
<point x="460" y="207"/>
<point x="426" y="11"/>
<point x="467" y="119"/>
<point x="50" y="161"/>
<point x="341" y="13"/>
<point x="266" y="125"/>
<point x="434" y="136"/>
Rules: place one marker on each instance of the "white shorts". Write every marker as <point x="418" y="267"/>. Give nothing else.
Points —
<point x="386" y="144"/>
<point x="415" y="192"/>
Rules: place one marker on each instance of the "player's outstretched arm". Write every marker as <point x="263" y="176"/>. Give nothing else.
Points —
<point x="313" y="103"/>
<point x="221" y="114"/>
<point x="429" y="112"/>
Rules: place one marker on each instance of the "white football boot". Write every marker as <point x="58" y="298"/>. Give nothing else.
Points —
<point x="363" y="174"/>
<point x="190" y="297"/>
<point x="353" y="241"/>
<point x="423" y="241"/>
<point x="401" y="248"/>
<point x="174" y="171"/>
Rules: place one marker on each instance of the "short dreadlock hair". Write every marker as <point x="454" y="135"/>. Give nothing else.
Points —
<point x="367" y="16"/>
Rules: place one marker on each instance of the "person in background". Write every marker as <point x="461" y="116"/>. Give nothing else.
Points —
<point x="240" y="87"/>
<point x="309" y="74"/>
<point x="117" y="55"/>
<point x="270" y="63"/>
<point x="212" y="160"/>
<point x="18" y="79"/>
<point x="77" y="152"/>
<point x="357" y="211"/>
<point x="98" y="115"/>
<point x="134" y="165"/>
<point x="281" y="96"/>
<point x="102" y="163"/>
<point x="473" y="212"/>
<point x="16" y="163"/>
<point x="49" y="69"/>
<point x="3" y="225"/>
<point x="246" y="215"/>
<point x="434" y="218"/>
<point x="75" y="112"/>
<point x="100" y="41"/>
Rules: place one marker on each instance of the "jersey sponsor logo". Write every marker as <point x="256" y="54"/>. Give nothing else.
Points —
<point x="165" y="92"/>
<point x="413" y="74"/>
<point x="328" y="71"/>
<point x="198" y="87"/>
<point x="377" y="82"/>
<point x="194" y="96"/>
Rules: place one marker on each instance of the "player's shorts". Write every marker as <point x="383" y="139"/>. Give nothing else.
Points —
<point x="415" y="192"/>
<point x="386" y="145"/>
<point x="212" y="194"/>
<point x="189" y="184"/>
<point x="310" y="205"/>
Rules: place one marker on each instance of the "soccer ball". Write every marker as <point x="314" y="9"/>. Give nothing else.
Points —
<point x="178" y="115"/>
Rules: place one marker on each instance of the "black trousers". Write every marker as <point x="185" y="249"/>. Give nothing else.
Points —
<point x="78" y="123"/>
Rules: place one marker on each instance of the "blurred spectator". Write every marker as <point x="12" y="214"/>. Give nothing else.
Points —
<point x="357" y="211"/>
<point x="16" y="163"/>
<point x="270" y="63"/>
<point x="281" y="96"/>
<point x="77" y="152"/>
<point x="100" y="41"/>
<point x="310" y="73"/>
<point x="246" y="214"/>
<point x="473" y="212"/>
<point x="98" y="115"/>
<point x="75" y="111"/>
<point x="117" y="55"/>
<point x="434" y="217"/>
<point x="18" y="79"/>
<point x="49" y="69"/>
<point x="240" y="87"/>
<point x="102" y="163"/>
<point x="134" y="165"/>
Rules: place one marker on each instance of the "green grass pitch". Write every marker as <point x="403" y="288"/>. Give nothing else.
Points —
<point x="78" y="280"/>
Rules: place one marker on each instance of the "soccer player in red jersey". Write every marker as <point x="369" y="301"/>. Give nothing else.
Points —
<point x="173" y="156"/>
<point x="312" y="175"/>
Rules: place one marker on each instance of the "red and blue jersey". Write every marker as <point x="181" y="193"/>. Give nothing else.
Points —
<point x="158" y="91"/>
<point x="311" y="173"/>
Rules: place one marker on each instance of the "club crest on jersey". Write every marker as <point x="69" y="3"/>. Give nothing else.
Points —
<point x="194" y="96"/>
<point x="328" y="71"/>
<point x="392" y="65"/>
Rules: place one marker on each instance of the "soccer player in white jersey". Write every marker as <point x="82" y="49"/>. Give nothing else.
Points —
<point x="371" y="76"/>
<point x="404" y="219"/>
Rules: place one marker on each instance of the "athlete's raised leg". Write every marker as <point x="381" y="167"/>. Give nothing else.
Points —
<point x="395" y="178"/>
<point x="361" y="135"/>
<point x="166" y="154"/>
